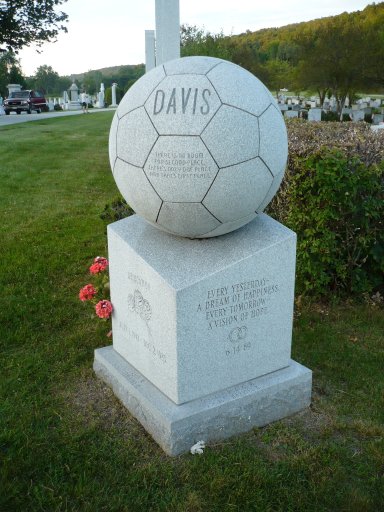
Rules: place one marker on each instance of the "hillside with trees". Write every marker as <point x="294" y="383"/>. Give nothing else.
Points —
<point x="338" y="55"/>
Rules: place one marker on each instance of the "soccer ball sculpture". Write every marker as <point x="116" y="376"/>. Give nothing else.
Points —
<point x="198" y="147"/>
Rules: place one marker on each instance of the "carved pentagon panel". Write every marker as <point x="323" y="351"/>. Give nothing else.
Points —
<point x="248" y="184"/>
<point x="238" y="87"/>
<point x="180" y="169"/>
<point x="273" y="140"/>
<point x="137" y="190"/>
<point x="135" y="137"/>
<point x="186" y="219"/>
<point x="232" y="136"/>
<point x="182" y="104"/>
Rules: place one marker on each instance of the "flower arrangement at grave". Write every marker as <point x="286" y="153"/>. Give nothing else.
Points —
<point x="94" y="294"/>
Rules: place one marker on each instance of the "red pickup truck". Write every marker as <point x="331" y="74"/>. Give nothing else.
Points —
<point x="27" y="101"/>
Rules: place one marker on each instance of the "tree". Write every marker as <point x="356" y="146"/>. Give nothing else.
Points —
<point x="279" y="75"/>
<point x="91" y="81"/>
<point x="46" y="79"/>
<point x="10" y="72"/>
<point x="332" y="56"/>
<point x="23" y="22"/>
<point x="195" y="41"/>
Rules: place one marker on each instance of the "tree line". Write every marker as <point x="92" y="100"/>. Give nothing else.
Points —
<point x="338" y="55"/>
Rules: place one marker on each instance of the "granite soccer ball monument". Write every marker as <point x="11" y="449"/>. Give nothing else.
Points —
<point x="203" y="288"/>
<point x="198" y="147"/>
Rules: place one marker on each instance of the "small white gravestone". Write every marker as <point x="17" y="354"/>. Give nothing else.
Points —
<point x="291" y="114"/>
<point x="202" y="328"/>
<point x="100" y="102"/>
<point x="114" y="104"/>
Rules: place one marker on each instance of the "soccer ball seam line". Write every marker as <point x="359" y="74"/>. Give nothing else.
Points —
<point x="267" y="166"/>
<point x="146" y="99"/>
<point x="152" y="123"/>
<point x="157" y="85"/>
<point x="212" y="68"/>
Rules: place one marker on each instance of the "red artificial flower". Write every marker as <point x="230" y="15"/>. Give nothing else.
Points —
<point x="87" y="293"/>
<point x="103" y="309"/>
<point x="99" y="265"/>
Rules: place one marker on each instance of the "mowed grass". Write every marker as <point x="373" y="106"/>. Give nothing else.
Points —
<point x="68" y="445"/>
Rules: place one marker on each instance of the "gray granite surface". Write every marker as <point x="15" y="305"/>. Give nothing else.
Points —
<point x="232" y="136"/>
<point x="197" y="316"/>
<point x="252" y="175"/>
<point x="138" y="191"/>
<point x="182" y="104"/>
<point x="135" y="137"/>
<point x="199" y="127"/>
<point x="184" y="175"/>
<point x="218" y="416"/>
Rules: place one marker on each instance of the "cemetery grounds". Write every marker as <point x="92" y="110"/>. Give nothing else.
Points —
<point x="66" y="442"/>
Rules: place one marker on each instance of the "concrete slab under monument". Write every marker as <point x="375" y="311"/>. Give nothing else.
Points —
<point x="202" y="330"/>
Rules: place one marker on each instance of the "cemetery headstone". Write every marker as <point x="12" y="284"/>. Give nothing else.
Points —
<point x="203" y="288"/>
<point x="114" y="104"/>
<point x="314" y="114"/>
<point x="291" y="114"/>
<point x="74" y="103"/>
<point x="100" y="96"/>
<point x="358" y="115"/>
<point x="377" y="119"/>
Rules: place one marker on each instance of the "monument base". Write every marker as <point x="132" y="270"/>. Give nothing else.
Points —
<point x="217" y="416"/>
<point x="74" y="105"/>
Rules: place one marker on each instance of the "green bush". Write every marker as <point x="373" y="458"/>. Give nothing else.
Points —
<point x="368" y="118"/>
<point x="336" y="207"/>
<point x="330" y="116"/>
<point x="116" y="210"/>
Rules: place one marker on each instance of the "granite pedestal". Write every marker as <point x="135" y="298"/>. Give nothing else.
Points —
<point x="202" y="330"/>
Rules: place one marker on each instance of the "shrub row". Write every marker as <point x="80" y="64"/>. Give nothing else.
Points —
<point x="333" y="198"/>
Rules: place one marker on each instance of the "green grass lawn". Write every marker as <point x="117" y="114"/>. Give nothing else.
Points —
<point x="66" y="444"/>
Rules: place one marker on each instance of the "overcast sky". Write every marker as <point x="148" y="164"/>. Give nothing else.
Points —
<point x="109" y="33"/>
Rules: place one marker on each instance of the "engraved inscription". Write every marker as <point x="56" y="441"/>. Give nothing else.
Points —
<point x="229" y="308"/>
<point x="138" y="281"/>
<point x="238" y="334"/>
<point x="238" y="349"/>
<point x="184" y="165"/>
<point x="237" y="302"/>
<point x="182" y="100"/>
<point x="148" y="345"/>
<point x="139" y="305"/>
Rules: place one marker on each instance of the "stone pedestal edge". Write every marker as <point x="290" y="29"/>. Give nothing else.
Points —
<point x="217" y="416"/>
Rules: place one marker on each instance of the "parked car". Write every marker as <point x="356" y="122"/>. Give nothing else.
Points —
<point x="27" y="101"/>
